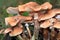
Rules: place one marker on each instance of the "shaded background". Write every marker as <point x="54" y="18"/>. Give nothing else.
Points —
<point x="7" y="3"/>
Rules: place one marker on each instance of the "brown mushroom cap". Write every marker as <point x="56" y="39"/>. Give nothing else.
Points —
<point x="7" y="30"/>
<point x="11" y="21"/>
<point x="46" y="5"/>
<point x="49" y="14"/>
<point x="56" y="25"/>
<point x="16" y="31"/>
<point x="33" y="6"/>
<point x="15" y="19"/>
<point x="28" y="6"/>
<point x="47" y="23"/>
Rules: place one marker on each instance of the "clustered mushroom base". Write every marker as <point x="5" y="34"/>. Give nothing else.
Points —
<point x="45" y="23"/>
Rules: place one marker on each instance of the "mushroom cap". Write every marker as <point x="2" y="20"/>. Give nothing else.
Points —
<point x="12" y="10"/>
<point x="47" y="23"/>
<point x="56" y="25"/>
<point x="16" y="31"/>
<point x="12" y="21"/>
<point x="33" y="6"/>
<point x="28" y="6"/>
<point x="46" y="5"/>
<point x="7" y="30"/>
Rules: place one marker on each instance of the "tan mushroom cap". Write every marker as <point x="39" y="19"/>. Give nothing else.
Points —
<point x="46" y="5"/>
<point x="16" y="31"/>
<point x="47" y="23"/>
<point x="7" y="30"/>
<point x="15" y="19"/>
<point x="56" y="25"/>
<point x="33" y="6"/>
<point x="11" y="21"/>
<point x="49" y="14"/>
<point x="28" y="6"/>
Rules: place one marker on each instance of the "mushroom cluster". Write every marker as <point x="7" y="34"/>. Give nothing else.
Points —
<point x="40" y="16"/>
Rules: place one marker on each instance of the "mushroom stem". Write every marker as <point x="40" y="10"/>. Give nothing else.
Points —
<point x="53" y="32"/>
<point x="45" y="34"/>
<point x="20" y="37"/>
<point x="36" y="26"/>
<point x="28" y="29"/>
<point x="58" y="35"/>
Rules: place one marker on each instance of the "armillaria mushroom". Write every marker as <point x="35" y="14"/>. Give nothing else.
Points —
<point x="47" y="23"/>
<point x="30" y="6"/>
<point x="12" y="21"/>
<point x="49" y="14"/>
<point x="16" y="31"/>
<point x="33" y="6"/>
<point x="34" y="10"/>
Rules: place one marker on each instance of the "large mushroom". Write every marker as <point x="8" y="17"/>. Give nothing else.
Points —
<point x="33" y="6"/>
<point x="30" y="7"/>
